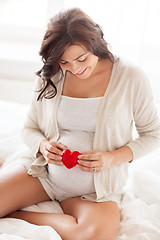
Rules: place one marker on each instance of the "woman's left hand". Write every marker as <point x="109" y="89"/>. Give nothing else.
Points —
<point x="95" y="161"/>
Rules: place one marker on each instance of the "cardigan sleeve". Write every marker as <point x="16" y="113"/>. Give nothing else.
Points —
<point x="146" y="118"/>
<point x="31" y="133"/>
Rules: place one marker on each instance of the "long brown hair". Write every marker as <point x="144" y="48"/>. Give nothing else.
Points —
<point x="65" y="29"/>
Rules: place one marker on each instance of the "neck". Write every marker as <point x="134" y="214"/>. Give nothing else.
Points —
<point x="103" y="66"/>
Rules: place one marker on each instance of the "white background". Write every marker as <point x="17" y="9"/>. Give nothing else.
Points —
<point x="131" y="28"/>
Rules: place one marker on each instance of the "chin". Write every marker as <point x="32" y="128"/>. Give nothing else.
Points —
<point x="85" y="75"/>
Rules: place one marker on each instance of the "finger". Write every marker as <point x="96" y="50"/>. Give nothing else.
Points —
<point x="91" y="163"/>
<point x="89" y="157"/>
<point x="53" y="149"/>
<point x="89" y="169"/>
<point x="55" y="162"/>
<point x="89" y="152"/>
<point x="62" y="146"/>
<point x="51" y="156"/>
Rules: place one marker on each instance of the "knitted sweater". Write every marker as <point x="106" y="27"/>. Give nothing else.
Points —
<point x="128" y="99"/>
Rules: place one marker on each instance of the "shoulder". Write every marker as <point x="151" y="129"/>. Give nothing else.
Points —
<point x="129" y="68"/>
<point x="39" y="82"/>
<point x="131" y="73"/>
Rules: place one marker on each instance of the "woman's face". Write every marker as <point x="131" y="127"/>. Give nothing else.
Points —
<point x="78" y="61"/>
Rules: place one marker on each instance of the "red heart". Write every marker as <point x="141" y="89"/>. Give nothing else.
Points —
<point x="70" y="159"/>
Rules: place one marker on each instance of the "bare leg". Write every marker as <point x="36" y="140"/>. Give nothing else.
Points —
<point x="81" y="220"/>
<point x="19" y="190"/>
<point x="1" y="161"/>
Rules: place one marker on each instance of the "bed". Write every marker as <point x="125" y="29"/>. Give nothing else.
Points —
<point x="140" y="214"/>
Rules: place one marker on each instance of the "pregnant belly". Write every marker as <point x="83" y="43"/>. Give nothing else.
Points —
<point x="77" y="141"/>
<point x="73" y="181"/>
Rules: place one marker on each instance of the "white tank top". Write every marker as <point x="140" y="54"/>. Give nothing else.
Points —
<point x="76" y="121"/>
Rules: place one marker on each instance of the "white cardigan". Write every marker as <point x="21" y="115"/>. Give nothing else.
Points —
<point x="128" y="99"/>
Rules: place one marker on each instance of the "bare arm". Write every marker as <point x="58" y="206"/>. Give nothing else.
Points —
<point x="104" y="160"/>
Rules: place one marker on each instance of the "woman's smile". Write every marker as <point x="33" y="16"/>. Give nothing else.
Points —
<point x="80" y="73"/>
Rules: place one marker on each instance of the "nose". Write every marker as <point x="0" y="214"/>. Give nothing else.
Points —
<point x="74" y="68"/>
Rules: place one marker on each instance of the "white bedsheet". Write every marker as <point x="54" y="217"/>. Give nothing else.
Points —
<point x="141" y="204"/>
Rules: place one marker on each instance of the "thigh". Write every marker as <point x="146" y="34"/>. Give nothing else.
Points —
<point x="104" y="217"/>
<point x="1" y="161"/>
<point x="19" y="190"/>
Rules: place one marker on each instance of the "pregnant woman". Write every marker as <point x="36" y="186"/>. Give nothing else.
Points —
<point x="86" y="100"/>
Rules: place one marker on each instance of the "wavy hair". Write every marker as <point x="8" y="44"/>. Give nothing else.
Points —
<point x="65" y="29"/>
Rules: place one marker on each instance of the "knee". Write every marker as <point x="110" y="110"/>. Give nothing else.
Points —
<point x="91" y="231"/>
<point x="102" y="234"/>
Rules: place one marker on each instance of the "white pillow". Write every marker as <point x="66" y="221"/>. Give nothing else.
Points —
<point x="145" y="178"/>
<point x="146" y="185"/>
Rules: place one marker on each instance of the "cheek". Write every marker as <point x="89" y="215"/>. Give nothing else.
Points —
<point x="91" y="62"/>
<point x="87" y="63"/>
<point x="63" y="67"/>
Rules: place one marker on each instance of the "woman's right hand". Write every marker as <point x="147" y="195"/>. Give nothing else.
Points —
<point x="52" y="151"/>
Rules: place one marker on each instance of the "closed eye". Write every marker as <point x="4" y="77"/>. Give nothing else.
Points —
<point x="82" y="60"/>
<point x="63" y="63"/>
<point x="79" y="60"/>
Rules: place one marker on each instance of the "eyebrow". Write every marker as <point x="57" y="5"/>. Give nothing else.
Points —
<point x="75" y="58"/>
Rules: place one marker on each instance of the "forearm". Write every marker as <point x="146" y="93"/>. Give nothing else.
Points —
<point x="32" y="138"/>
<point x="145" y="144"/>
<point x="101" y="160"/>
<point x="122" y="155"/>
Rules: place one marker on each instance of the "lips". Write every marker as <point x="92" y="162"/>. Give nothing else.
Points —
<point x="80" y="73"/>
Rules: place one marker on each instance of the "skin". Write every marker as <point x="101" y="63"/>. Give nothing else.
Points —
<point x="86" y="76"/>
<point x="1" y="161"/>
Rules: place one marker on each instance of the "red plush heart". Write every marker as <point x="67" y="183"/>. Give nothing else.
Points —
<point x="70" y="159"/>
